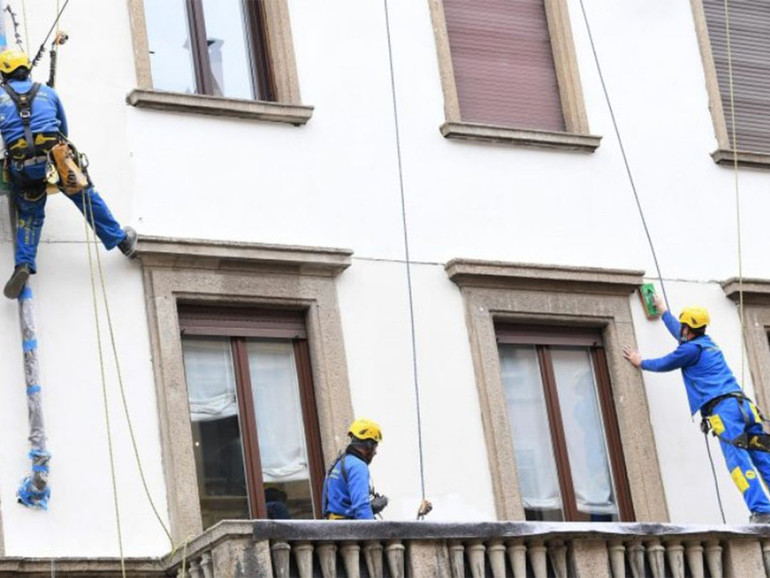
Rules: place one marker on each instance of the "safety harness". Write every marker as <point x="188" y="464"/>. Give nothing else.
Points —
<point x="28" y="148"/>
<point x="744" y="441"/>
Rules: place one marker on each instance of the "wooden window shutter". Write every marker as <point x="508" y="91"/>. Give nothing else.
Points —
<point x="750" y="48"/>
<point x="503" y="63"/>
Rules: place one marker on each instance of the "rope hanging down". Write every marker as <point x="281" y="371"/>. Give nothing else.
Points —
<point x="425" y="506"/>
<point x="737" y="187"/>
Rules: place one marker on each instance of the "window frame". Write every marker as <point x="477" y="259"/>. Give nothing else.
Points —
<point x="577" y="136"/>
<point x="580" y="297"/>
<point x="238" y="325"/>
<point x="756" y="327"/>
<point x="275" y="50"/>
<point x="724" y="154"/>
<point x="227" y="274"/>
<point x="543" y="337"/>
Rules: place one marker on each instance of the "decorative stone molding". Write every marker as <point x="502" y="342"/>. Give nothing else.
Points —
<point x="288" y="106"/>
<point x="246" y="274"/>
<point x="756" y="329"/>
<point x="563" y="296"/>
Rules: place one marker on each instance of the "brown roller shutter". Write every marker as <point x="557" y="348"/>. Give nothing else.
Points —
<point x="503" y="63"/>
<point x="750" y="47"/>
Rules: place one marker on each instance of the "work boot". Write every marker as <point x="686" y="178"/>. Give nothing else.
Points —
<point x="128" y="245"/>
<point x="16" y="282"/>
<point x="760" y="518"/>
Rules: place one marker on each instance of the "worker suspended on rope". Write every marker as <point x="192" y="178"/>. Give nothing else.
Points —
<point x="713" y="390"/>
<point x="33" y="126"/>
<point x="347" y="493"/>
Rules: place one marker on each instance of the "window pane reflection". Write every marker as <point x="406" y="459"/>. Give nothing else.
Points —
<point x="280" y="429"/>
<point x="228" y="48"/>
<point x="531" y="434"/>
<point x="169" y="41"/>
<point x="584" y="431"/>
<point x="216" y="432"/>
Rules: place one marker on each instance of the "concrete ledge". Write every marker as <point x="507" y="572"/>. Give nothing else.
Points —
<point x="502" y="275"/>
<point x="497" y="134"/>
<point x="218" y="106"/>
<point x="755" y="291"/>
<point x="381" y="530"/>
<point x="205" y="254"/>
<point x="725" y="157"/>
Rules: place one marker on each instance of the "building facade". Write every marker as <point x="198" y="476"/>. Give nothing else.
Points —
<point x="280" y="160"/>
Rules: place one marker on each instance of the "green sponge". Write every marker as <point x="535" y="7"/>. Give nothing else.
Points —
<point x="647" y="293"/>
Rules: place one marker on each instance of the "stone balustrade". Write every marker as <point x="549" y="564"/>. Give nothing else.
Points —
<point x="346" y="549"/>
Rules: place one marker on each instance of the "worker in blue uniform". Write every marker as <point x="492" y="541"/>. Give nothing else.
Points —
<point x="346" y="493"/>
<point x="713" y="390"/>
<point x="32" y="122"/>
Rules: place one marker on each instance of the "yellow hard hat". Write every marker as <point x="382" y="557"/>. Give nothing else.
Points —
<point x="364" y="429"/>
<point x="13" y="58"/>
<point x="694" y="317"/>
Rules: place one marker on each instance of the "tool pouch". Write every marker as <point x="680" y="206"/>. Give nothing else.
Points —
<point x="71" y="177"/>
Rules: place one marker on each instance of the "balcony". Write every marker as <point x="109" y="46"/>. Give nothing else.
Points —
<point x="272" y="549"/>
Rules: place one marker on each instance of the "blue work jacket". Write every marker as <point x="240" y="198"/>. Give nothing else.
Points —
<point x="704" y="369"/>
<point x="47" y="112"/>
<point x="347" y="493"/>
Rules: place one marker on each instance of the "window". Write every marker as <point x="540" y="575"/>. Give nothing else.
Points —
<point x="750" y="55"/>
<point x="250" y="372"/>
<point x="756" y="330"/>
<point x="547" y="348"/>
<point x="509" y="73"/>
<point x="563" y="426"/>
<point x="218" y="57"/>
<point x="253" y="413"/>
<point x="213" y="47"/>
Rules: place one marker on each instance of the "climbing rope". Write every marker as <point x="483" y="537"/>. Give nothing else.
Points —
<point x="89" y="213"/>
<point x="623" y="154"/>
<point x="737" y="187"/>
<point x="26" y="29"/>
<point x="119" y="373"/>
<point x="408" y="263"/>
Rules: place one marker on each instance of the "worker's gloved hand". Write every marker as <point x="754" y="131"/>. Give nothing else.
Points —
<point x="379" y="502"/>
<point x="660" y="304"/>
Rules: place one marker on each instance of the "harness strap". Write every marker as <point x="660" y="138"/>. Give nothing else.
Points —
<point x="23" y="102"/>
<point x="760" y="442"/>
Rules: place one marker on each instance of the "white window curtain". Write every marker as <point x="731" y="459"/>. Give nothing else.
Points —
<point x="280" y="427"/>
<point x="584" y="430"/>
<point x="208" y="364"/>
<point x="535" y="463"/>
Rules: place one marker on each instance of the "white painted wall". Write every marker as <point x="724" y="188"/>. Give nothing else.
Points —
<point x="334" y="183"/>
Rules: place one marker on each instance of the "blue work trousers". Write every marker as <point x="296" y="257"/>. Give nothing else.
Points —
<point x="31" y="215"/>
<point x="745" y="466"/>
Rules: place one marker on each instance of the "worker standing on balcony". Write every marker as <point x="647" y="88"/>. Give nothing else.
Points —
<point x="713" y="390"/>
<point x="32" y="124"/>
<point x="347" y="491"/>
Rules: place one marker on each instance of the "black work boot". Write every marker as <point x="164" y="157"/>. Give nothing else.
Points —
<point x="759" y="518"/>
<point x="16" y="282"/>
<point x="128" y="245"/>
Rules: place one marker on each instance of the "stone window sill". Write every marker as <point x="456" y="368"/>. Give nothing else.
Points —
<point x="497" y="134"/>
<point x="295" y="114"/>
<point x="745" y="159"/>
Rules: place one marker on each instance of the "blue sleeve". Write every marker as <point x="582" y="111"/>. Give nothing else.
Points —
<point x="673" y="326"/>
<point x="358" y="487"/>
<point x="684" y="355"/>
<point x="62" y="116"/>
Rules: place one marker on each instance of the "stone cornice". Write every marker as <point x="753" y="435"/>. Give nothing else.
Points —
<point x="755" y="291"/>
<point x="502" y="275"/>
<point x="229" y="255"/>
